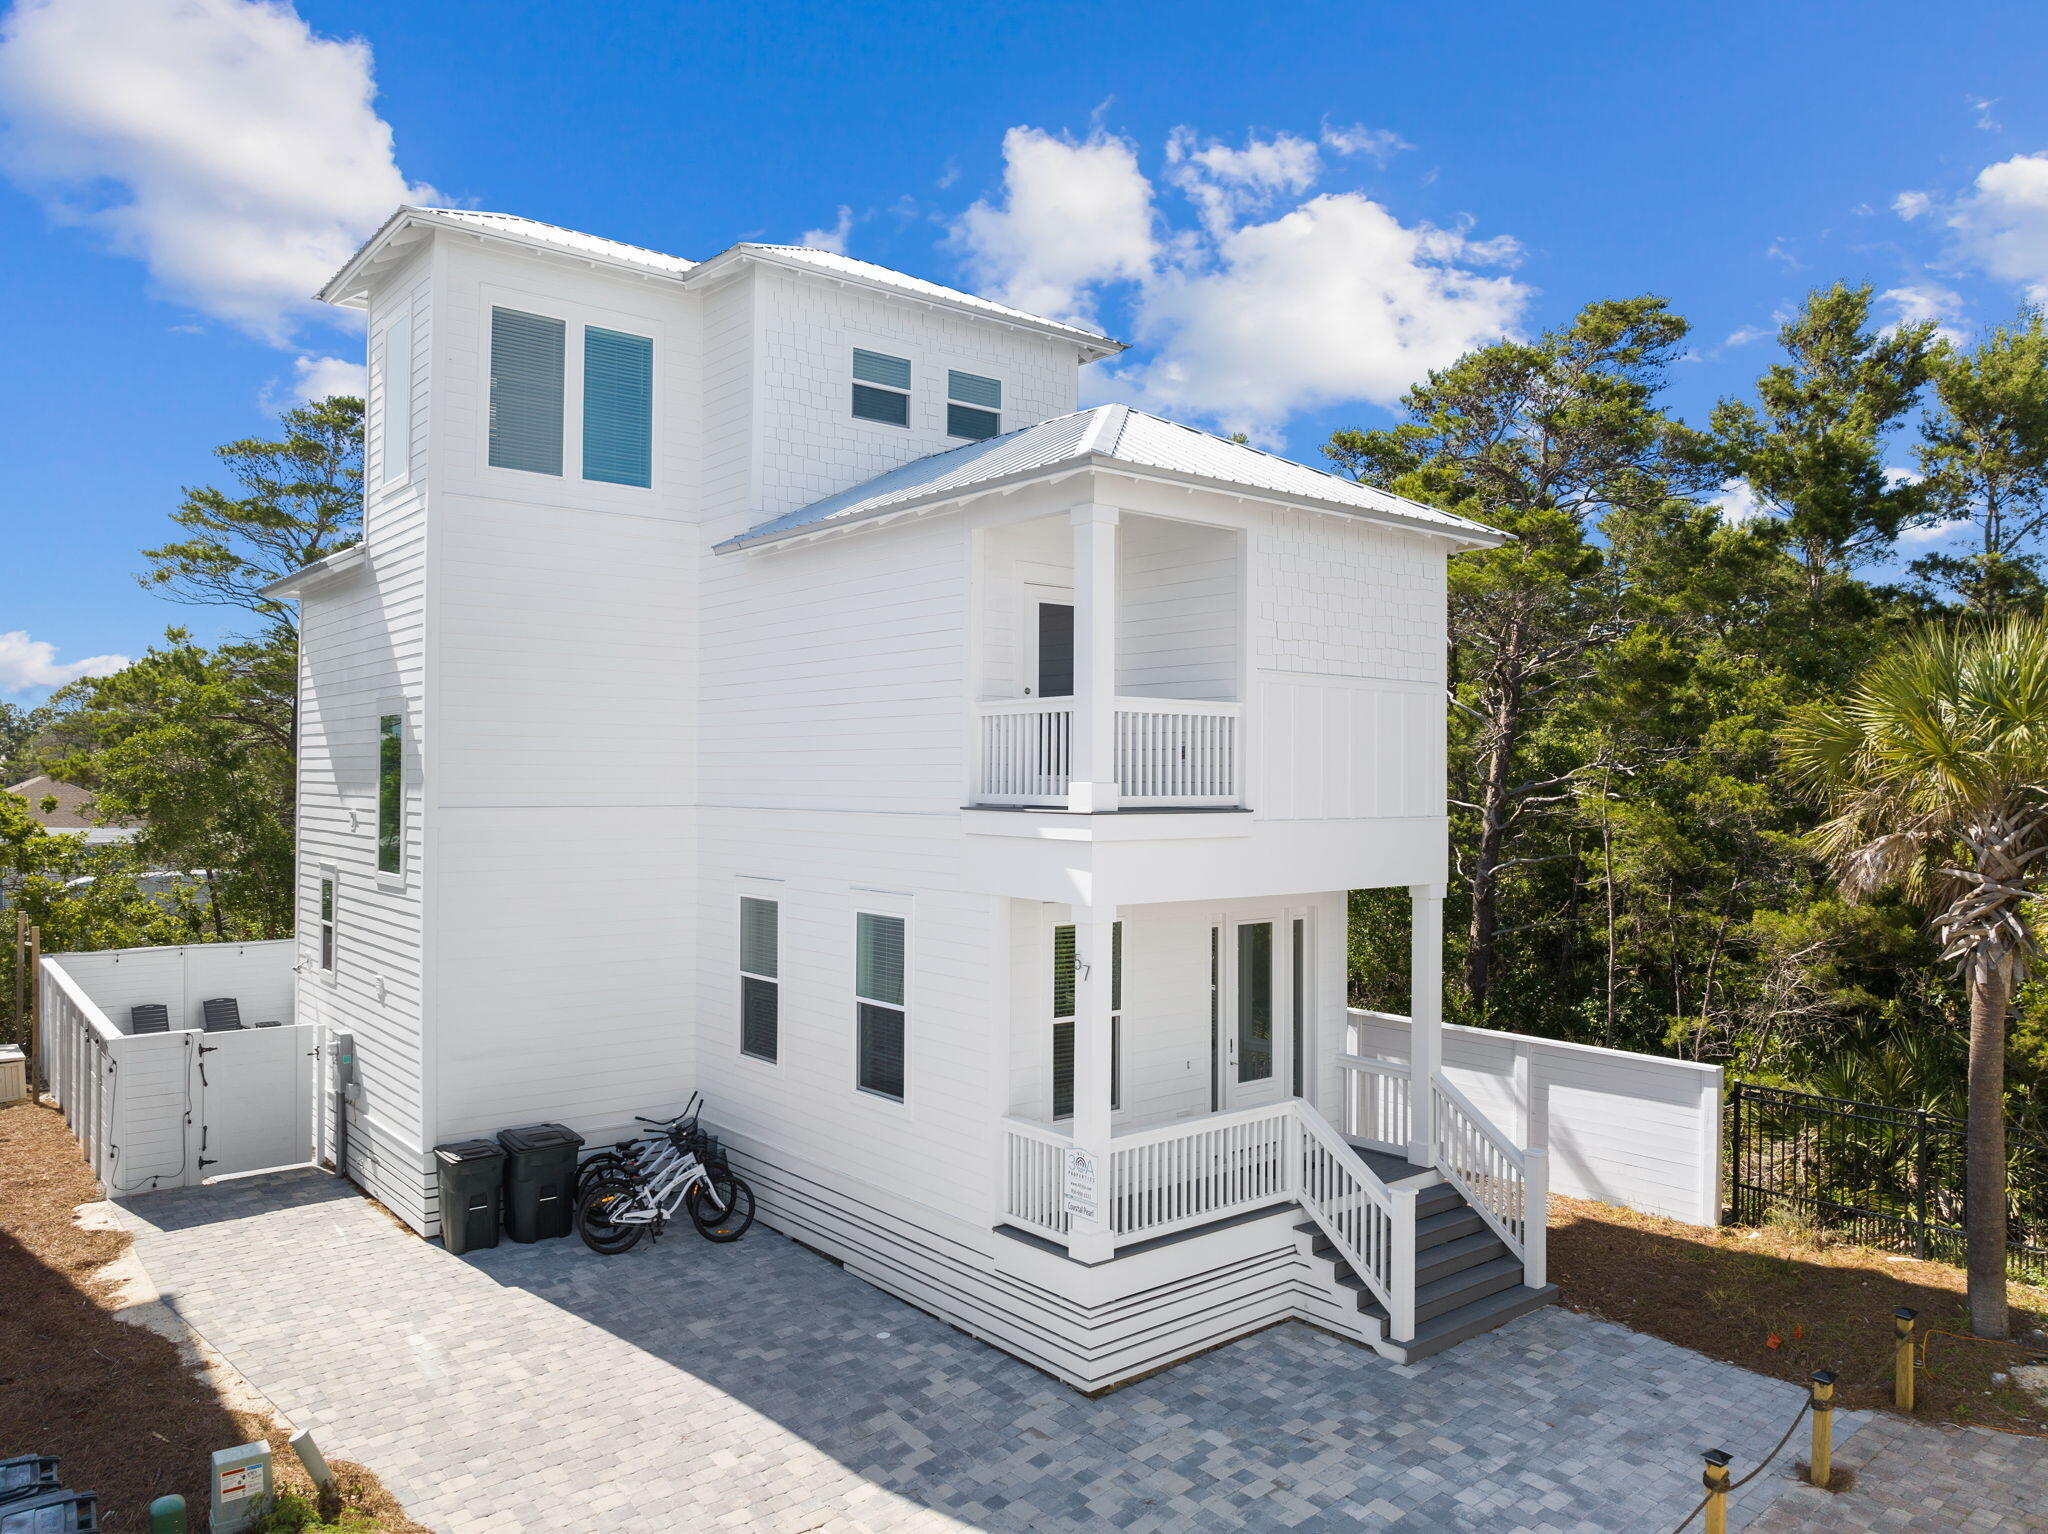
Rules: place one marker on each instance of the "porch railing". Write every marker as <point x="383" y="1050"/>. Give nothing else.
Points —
<point x="1168" y="752"/>
<point x="1167" y="1179"/>
<point x="1508" y="1186"/>
<point x="1375" y="1105"/>
<point x="1034" y="1173"/>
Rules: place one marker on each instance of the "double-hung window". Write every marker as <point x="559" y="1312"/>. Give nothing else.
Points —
<point x="530" y="361"/>
<point x="878" y="996"/>
<point x="1063" y="993"/>
<point x="881" y="388"/>
<point x="760" y="983"/>
<point x="974" y="406"/>
<point x="391" y="794"/>
<point x="328" y="881"/>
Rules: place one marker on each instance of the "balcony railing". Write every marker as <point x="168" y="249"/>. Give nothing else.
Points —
<point x="1169" y="752"/>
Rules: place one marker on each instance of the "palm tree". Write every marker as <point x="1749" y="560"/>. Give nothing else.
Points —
<point x="1934" y="770"/>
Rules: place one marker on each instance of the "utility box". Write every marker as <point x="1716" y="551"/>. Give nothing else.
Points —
<point x="540" y="1181"/>
<point x="13" y="1074"/>
<point x="241" y="1488"/>
<point x="472" y="1181"/>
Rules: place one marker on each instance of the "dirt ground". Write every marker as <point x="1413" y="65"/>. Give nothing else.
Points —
<point x="131" y="1414"/>
<point x="1785" y="1303"/>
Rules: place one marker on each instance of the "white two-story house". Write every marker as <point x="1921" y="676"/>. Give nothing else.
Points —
<point x="757" y="676"/>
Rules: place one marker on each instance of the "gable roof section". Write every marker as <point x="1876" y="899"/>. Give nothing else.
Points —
<point x="1119" y="439"/>
<point x="406" y="228"/>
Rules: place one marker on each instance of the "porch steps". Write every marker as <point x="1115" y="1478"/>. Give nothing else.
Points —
<point x="1467" y="1281"/>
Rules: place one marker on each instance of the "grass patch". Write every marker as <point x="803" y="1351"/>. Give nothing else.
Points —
<point x="1785" y="1300"/>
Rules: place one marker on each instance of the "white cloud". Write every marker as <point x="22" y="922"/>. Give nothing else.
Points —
<point x="1378" y="144"/>
<point x="318" y="377"/>
<point x="1982" y="106"/>
<point x="1074" y="215"/>
<point x="1915" y="303"/>
<point x="833" y="239"/>
<point x="1225" y="184"/>
<point x="1738" y="503"/>
<point x="1780" y="251"/>
<point x="2001" y="223"/>
<point x="1743" y="335"/>
<point x="1911" y="205"/>
<point x="222" y="142"/>
<point x="1335" y="300"/>
<point x="28" y="665"/>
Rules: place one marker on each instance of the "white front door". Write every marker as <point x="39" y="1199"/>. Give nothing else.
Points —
<point x="1254" y="1002"/>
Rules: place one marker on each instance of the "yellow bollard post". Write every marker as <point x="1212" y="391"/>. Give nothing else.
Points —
<point x="1716" y="1482"/>
<point x="1821" y="1468"/>
<point x="1902" y="1357"/>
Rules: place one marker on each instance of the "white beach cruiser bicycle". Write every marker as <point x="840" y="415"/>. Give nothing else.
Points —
<point x="635" y="1189"/>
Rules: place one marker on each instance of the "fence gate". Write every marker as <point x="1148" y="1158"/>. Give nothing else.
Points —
<point x="252" y="1098"/>
<point x="1886" y="1177"/>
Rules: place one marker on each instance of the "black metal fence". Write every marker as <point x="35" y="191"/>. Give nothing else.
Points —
<point x="1891" y="1178"/>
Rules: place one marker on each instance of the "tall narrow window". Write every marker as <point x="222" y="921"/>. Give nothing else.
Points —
<point x="973" y="406"/>
<point x="327" y="882"/>
<point x="878" y="991"/>
<point x="395" y="411"/>
<point x="1255" y="1001"/>
<point x="618" y="407"/>
<point x="1063" y="993"/>
<point x="1299" y="993"/>
<point x="760" y="985"/>
<point x="528" y="353"/>
<point x="881" y="388"/>
<point x="1215" y="1019"/>
<point x="391" y="793"/>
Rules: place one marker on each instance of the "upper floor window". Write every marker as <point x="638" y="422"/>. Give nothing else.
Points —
<point x="878" y="994"/>
<point x="973" y="406"/>
<point x="618" y="407"/>
<point x="529" y="364"/>
<point x="390" y="793"/>
<point x="527" y="358"/>
<point x="760" y="985"/>
<point x="394" y="431"/>
<point x="881" y="388"/>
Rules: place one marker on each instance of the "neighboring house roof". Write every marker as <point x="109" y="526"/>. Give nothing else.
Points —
<point x="409" y="225"/>
<point x="70" y="813"/>
<point x="1116" y="438"/>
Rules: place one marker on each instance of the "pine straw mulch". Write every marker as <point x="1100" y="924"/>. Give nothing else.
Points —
<point x="128" y="1416"/>
<point x="1785" y="1302"/>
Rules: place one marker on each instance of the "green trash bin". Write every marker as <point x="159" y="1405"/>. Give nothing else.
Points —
<point x="540" y="1181"/>
<point x="472" y="1180"/>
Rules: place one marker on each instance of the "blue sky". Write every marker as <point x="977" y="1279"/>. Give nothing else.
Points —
<point x="1294" y="209"/>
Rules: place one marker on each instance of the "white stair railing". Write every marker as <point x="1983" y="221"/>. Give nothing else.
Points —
<point x="1376" y="1101"/>
<point x="1371" y="1225"/>
<point x="1507" y="1185"/>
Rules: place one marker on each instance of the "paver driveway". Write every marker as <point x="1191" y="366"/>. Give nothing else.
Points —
<point x="689" y="1386"/>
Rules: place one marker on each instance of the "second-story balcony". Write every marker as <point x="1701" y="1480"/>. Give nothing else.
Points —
<point x="1167" y="753"/>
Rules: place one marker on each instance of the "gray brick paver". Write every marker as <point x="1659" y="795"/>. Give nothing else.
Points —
<point x="745" y="1387"/>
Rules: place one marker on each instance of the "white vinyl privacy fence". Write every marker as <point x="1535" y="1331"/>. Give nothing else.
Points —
<point x="1636" y="1130"/>
<point x="174" y="1108"/>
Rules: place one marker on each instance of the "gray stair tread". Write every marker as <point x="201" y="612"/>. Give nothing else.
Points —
<point x="1456" y="1256"/>
<point x="1434" y="1299"/>
<point x="1435" y="1229"/>
<point x="1468" y="1321"/>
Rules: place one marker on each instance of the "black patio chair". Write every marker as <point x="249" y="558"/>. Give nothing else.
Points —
<point x="223" y="1014"/>
<point x="149" y="1017"/>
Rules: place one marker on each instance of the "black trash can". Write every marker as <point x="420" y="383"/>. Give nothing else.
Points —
<point x="472" y="1177"/>
<point x="540" y="1180"/>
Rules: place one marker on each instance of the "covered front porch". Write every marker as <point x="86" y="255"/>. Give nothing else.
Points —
<point x="1181" y="1067"/>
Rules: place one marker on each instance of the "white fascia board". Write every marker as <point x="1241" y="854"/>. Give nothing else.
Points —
<point x="349" y="287"/>
<point x="1468" y="536"/>
<point x="1093" y="348"/>
<point x="333" y="567"/>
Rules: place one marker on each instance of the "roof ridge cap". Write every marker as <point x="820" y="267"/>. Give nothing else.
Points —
<point x="1105" y="431"/>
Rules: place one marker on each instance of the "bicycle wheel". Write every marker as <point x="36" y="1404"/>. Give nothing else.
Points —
<point x="605" y="1164"/>
<point x="723" y="1209"/>
<point x="595" y="1211"/>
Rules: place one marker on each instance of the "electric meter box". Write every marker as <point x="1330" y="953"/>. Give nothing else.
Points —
<point x="241" y="1488"/>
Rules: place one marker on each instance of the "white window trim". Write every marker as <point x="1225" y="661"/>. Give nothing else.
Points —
<point x="325" y="874"/>
<point x="1002" y="386"/>
<point x="773" y="898"/>
<point x="386" y="878"/>
<point x="909" y="422"/>
<point x="1116" y="1022"/>
<point x="898" y="906"/>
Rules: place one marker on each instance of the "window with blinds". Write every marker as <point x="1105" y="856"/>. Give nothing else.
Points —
<point x="1063" y="992"/>
<point x="618" y="407"/>
<point x="760" y="981"/>
<point x="528" y="353"/>
<point x="391" y="794"/>
<point x="973" y="406"/>
<point x="881" y="388"/>
<point x="878" y="994"/>
<point x="394" y="429"/>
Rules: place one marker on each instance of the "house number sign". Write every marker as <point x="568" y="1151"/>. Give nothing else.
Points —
<point x="1080" y="1188"/>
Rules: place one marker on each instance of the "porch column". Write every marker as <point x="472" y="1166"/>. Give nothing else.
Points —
<point x="1089" y="1238"/>
<point x="1092" y="781"/>
<point x="1426" y="1016"/>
